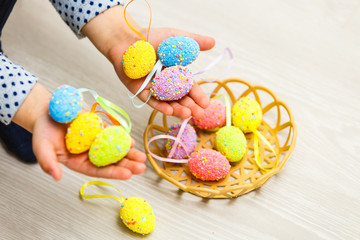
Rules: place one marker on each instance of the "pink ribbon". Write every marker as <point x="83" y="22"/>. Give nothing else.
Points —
<point x="177" y="140"/>
<point x="215" y="61"/>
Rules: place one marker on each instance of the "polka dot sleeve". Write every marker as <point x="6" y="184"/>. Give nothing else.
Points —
<point x="76" y="13"/>
<point x="15" y="84"/>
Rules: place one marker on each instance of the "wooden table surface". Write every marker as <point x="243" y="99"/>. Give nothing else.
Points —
<point x="307" y="52"/>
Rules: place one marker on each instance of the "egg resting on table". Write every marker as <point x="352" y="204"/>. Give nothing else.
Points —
<point x="179" y="50"/>
<point x="214" y="116"/>
<point x="172" y="83"/>
<point x="139" y="59"/>
<point x="188" y="139"/>
<point x="208" y="165"/>
<point x="65" y="104"/>
<point x="231" y="142"/>
<point x="110" y="146"/>
<point x="246" y="114"/>
<point x="82" y="132"/>
<point x="137" y="215"/>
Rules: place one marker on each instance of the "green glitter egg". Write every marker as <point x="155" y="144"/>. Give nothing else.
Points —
<point x="110" y="146"/>
<point x="137" y="215"/>
<point x="231" y="142"/>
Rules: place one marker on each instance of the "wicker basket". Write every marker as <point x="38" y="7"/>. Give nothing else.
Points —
<point x="278" y="127"/>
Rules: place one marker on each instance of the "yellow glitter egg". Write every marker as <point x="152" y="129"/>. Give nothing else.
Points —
<point x="110" y="146"/>
<point x="82" y="132"/>
<point x="246" y="114"/>
<point x="139" y="59"/>
<point x="137" y="215"/>
<point x="231" y="142"/>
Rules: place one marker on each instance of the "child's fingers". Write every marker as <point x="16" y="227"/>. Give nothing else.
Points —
<point x="179" y="110"/>
<point x="112" y="171"/>
<point x="46" y="156"/>
<point x="123" y="170"/>
<point x="133" y="163"/>
<point x="205" y="42"/>
<point x="196" y="110"/>
<point x="163" y="107"/>
<point x="133" y="166"/>
<point x="136" y="155"/>
<point x="198" y="95"/>
<point x="81" y="164"/>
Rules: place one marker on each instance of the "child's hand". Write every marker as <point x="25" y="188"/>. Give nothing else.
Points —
<point x="49" y="143"/>
<point x="192" y="104"/>
<point x="50" y="150"/>
<point x="112" y="36"/>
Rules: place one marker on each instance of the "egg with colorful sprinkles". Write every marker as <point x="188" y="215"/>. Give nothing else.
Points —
<point x="82" y="132"/>
<point x="110" y="146"/>
<point x="213" y="118"/>
<point x="188" y="140"/>
<point x="172" y="84"/>
<point x="65" y="104"/>
<point x="139" y="59"/>
<point x="137" y="215"/>
<point x="246" y="114"/>
<point x="231" y="142"/>
<point x="208" y="165"/>
<point x="179" y="50"/>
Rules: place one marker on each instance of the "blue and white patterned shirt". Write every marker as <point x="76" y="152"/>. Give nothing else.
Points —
<point x="15" y="81"/>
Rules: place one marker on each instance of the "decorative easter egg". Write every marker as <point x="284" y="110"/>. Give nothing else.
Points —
<point x="139" y="59"/>
<point x="213" y="118"/>
<point x="65" y="104"/>
<point x="110" y="146"/>
<point x="188" y="140"/>
<point x="82" y="132"/>
<point x="178" y="50"/>
<point x="137" y="215"/>
<point x="246" y="114"/>
<point x="231" y="142"/>
<point x="208" y="165"/>
<point x="172" y="83"/>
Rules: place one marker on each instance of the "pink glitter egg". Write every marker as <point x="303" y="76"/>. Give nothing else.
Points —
<point x="214" y="116"/>
<point x="208" y="165"/>
<point x="188" y="140"/>
<point x="172" y="83"/>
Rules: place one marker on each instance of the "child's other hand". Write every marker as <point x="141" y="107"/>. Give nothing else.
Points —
<point x="112" y="36"/>
<point x="192" y="104"/>
<point x="50" y="150"/>
<point x="49" y="143"/>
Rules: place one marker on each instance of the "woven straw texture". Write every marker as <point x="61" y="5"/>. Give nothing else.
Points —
<point x="278" y="127"/>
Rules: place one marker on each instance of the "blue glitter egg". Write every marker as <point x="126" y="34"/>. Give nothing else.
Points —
<point x="178" y="50"/>
<point x="65" y="104"/>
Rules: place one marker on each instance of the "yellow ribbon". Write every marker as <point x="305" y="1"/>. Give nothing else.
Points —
<point x="258" y="135"/>
<point x="121" y="200"/>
